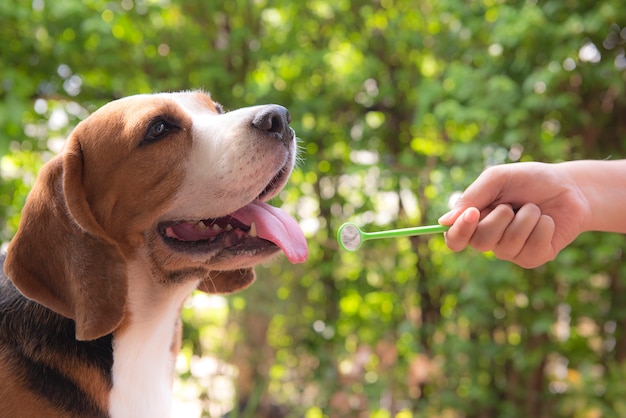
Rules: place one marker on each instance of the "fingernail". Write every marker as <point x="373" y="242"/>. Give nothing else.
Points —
<point x="471" y="215"/>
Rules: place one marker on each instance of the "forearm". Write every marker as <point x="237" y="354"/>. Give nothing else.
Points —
<point x="603" y="184"/>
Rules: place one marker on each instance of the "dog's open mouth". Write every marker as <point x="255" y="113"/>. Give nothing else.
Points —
<point x="254" y="229"/>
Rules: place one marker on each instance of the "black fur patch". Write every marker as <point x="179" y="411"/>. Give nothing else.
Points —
<point x="61" y="392"/>
<point x="26" y="327"/>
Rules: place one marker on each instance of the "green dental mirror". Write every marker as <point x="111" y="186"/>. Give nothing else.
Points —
<point x="350" y="236"/>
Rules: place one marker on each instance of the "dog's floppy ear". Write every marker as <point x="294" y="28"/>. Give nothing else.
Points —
<point x="61" y="257"/>
<point x="227" y="281"/>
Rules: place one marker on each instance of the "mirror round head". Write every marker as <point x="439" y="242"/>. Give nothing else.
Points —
<point x="349" y="237"/>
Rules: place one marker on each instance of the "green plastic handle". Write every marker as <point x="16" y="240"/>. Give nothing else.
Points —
<point x="350" y="236"/>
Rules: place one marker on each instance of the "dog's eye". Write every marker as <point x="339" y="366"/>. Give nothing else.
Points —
<point x="157" y="129"/>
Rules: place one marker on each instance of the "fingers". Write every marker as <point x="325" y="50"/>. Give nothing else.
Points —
<point x="523" y="237"/>
<point x="516" y="234"/>
<point x="538" y="248"/>
<point x="481" y="236"/>
<point x="492" y="228"/>
<point x="460" y="233"/>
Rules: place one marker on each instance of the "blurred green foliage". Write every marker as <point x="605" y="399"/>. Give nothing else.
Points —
<point x="399" y="105"/>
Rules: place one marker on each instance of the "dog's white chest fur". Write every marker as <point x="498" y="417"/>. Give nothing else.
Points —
<point x="142" y="358"/>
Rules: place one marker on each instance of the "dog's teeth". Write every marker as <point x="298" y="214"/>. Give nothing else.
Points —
<point x="252" y="231"/>
<point x="201" y="226"/>
<point x="216" y="227"/>
<point x="229" y="227"/>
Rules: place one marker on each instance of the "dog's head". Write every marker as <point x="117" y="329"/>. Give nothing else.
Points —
<point x="168" y="178"/>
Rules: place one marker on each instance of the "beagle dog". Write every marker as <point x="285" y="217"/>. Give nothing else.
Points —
<point x="152" y="197"/>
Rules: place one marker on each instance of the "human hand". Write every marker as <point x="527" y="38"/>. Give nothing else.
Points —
<point x="525" y="213"/>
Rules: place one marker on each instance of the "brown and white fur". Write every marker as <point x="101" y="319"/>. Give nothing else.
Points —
<point x="95" y="277"/>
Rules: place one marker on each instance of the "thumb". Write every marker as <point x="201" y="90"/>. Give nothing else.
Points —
<point x="448" y="218"/>
<point x="481" y="194"/>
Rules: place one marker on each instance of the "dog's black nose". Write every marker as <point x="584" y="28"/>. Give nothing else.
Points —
<point x="273" y="119"/>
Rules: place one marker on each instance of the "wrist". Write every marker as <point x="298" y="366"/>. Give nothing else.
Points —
<point x="602" y="189"/>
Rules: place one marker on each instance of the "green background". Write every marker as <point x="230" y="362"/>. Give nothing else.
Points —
<point x="398" y="106"/>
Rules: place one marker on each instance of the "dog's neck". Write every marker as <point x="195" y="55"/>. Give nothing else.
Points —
<point x="143" y="361"/>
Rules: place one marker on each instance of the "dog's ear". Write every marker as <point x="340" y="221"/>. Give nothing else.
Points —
<point x="61" y="257"/>
<point x="227" y="281"/>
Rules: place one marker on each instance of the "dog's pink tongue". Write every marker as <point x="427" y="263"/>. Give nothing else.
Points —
<point x="275" y="225"/>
